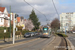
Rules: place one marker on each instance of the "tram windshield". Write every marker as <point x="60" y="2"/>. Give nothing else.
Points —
<point x="45" y="29"/>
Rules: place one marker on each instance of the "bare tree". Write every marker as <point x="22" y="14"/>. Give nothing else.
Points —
<point x="29" y="25"/>
<point x="55" y="24"/>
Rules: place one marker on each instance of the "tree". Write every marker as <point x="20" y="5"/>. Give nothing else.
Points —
<point x="34" y="19"/>
<point x="55" y="24"/>
<point x="29" y="25"/>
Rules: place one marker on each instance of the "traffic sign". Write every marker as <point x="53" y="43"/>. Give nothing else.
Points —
<point x="4" y="30"/>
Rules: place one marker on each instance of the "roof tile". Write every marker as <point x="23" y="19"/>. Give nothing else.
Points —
<point x="2" y="9"/>
<point x="18" y="19"/>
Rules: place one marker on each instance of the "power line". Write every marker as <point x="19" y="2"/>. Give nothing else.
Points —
<point x="37" y="10"/>
<point x="55" y="8"/>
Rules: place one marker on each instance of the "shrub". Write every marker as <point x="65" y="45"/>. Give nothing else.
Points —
<point x="2" y="34"/>
<point x="24" y="31"/>
<point x="61" y="34"/>
<point x="7" y="35"/>
<point x="17" y="33"/>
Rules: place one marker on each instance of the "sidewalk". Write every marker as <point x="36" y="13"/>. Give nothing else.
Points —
<point x="54" y="44"/>
<point x="11" y="39"/>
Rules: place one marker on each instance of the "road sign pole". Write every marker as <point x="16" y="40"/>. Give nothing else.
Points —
<point x="10" y="21"/>
<point x="65" y="30"/>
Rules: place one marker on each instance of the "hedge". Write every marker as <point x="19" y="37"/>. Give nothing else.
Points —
<point x="2" y="34"/>
<point x="24" y="31"/>
<point x="7" y="35"/>
<point x="17" y="33"/>
<point x="61" y="34"/>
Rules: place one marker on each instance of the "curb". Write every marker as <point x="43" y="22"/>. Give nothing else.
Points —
<point x="70" y="45"/>
<point x="67" y="48"/>
<point x="11" y="40"/>
<point x="19" y="43"/>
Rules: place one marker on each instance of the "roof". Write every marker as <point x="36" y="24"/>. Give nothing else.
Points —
<point x="2" y="9"/>
<point x="8" y="15"/>
<point x="18" y="19"/>
<point x="25" y="19"/>
<point x="11" y="22"/>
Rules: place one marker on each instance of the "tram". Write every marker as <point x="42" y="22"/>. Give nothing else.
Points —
<point x="46" y="31"/>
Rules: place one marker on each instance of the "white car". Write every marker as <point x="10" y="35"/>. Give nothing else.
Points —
<point x="73" y="32"/>
<point x="32" y="34"/>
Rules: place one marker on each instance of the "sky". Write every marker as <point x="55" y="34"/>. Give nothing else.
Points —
<point x="44" y="6"/>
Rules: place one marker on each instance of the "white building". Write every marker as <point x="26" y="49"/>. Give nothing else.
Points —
<point x="4" y="17"/>
<point x="67" y="20"/>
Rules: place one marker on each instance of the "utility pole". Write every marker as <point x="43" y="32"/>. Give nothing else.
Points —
<point x="14" y="29"/>
<point x="10" y="21"/>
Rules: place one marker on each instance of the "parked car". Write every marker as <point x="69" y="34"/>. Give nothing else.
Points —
<point x="36" y="33"/>
<point x="32" y="34"/>
<point x="27" y="34"/>
<point x="73" y="31"/>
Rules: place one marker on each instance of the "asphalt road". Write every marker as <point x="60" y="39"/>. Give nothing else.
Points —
<point x="71" y="37"/>
<point x="21" y="40"/>
<point x="33" y="45"/>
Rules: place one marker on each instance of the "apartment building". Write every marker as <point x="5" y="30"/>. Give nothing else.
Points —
<point x="67" y="21"/>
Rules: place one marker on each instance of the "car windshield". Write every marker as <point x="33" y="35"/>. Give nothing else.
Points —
<point x="36" y="32"/>
<point x="27" y="33"/>
<point x="31" y="32"/>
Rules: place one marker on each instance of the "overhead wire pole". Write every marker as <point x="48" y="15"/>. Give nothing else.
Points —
<point x="37" y="10"/>
<point x="10" y="21"/>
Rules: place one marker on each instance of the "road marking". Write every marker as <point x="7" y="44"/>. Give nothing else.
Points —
<point x="71" y="45"/>
<point x="71" y="39"/>
<point x="74" y="38"/>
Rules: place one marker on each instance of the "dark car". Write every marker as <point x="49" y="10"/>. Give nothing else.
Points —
<point x="37" y="33"/>
<point x="27" y="34"/>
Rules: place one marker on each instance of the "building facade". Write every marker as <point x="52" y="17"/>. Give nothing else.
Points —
<point x="4" y="17"/>
<point x="67" y="21"/>
<point x="20" y="22"/>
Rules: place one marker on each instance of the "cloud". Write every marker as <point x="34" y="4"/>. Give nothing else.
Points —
<point x="44" y="6"/>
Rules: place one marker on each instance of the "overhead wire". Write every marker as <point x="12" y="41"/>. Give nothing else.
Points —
<point x="36" y="9"/>
<point x="55" y="8"/>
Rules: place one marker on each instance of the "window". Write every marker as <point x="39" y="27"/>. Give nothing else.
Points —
<point x="1" y="19"/>
<point x="67" y="24"/>
<point x="61" y="17"/>
<point x="66" y="16"/>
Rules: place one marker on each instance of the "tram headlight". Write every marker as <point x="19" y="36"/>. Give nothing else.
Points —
<point x="46" y="33"/>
